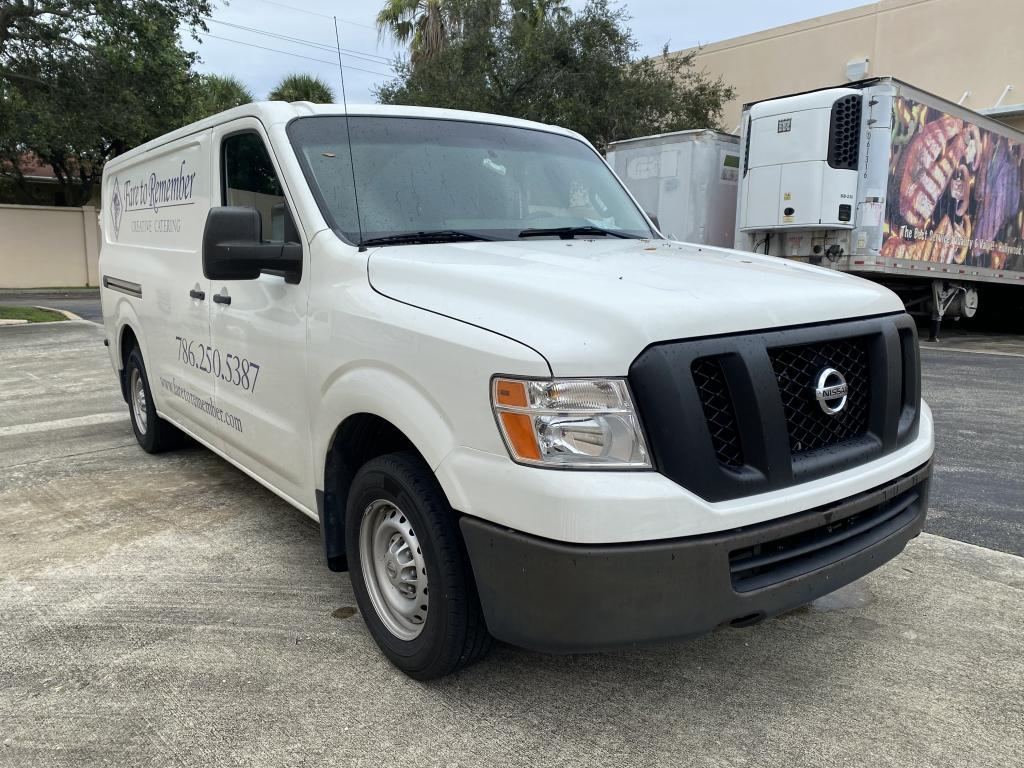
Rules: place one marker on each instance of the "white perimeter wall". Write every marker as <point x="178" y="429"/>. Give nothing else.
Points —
<point x="43" y="247"/>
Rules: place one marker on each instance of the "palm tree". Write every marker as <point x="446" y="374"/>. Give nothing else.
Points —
<point x="427" y="26"/>
<point x="537" y="12"/>
<point x="215" y="93"/>
<point x="302" y="88"/>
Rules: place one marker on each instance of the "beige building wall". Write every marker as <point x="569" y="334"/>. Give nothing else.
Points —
<point x="42" y="247"/>
<point x="947" y="47"/>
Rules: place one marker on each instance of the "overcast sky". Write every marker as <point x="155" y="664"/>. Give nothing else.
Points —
<point x="238" y="26"/>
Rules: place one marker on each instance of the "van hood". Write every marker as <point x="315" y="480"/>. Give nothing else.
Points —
<point x="591" y="306"/>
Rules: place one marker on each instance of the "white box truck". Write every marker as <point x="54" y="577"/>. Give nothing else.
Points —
<point x="685" y="180"/>
<point x="456" y="342"/>
<point x="883" y="180"/>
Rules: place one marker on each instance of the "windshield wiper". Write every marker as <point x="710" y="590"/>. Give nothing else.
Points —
<point x="435" y="236"/>
<point x="568" y="233"/>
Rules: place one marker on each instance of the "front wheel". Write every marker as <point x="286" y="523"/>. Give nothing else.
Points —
<point x="411" y="578"/>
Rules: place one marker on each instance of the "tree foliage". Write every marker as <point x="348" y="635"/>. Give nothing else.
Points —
<point x="63" y="28"/>
<point x="537" y="60"/>
<point x="426" y="26"/>
<point x="302" y="88"/>
<point x="84" y="80"/>
<point x="215" y="93"/>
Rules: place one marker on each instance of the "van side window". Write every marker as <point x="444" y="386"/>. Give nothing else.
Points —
<point x="250" y="180"/>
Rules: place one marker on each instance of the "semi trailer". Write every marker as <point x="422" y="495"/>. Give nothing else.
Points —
<point x="685" y="180"/>
<point x="889" y="182"/>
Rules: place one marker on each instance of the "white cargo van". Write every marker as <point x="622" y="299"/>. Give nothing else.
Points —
<point x="515" y="409"/>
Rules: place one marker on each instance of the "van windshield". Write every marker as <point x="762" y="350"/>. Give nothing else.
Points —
<point x="455" y="180"/>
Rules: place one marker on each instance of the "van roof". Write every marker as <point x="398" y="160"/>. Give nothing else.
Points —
<point x="276" y="112"/>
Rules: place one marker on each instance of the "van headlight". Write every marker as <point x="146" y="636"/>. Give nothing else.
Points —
<point x="571" y="423"/>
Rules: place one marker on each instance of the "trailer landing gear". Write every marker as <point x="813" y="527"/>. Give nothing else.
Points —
<point x="953" y="299"/>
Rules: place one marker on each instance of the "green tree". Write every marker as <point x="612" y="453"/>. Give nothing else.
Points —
<point x="61" y="28"/>
<point x="426" y="26"/>
<point x="84" y="80"/>
<point x="538" y="60"/>
<point x="302" y="88"/>
<point x="215" y="93"/>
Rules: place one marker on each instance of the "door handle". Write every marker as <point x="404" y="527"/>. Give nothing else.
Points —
<point x="197" y="294"/>
<point x="221" y="298"/>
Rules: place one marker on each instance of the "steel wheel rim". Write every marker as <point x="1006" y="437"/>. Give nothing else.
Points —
<point x="394" y="569"/>
<point x="138" y="400"/>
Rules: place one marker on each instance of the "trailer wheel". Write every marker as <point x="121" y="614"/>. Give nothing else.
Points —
<point x="410" y="574"/>
<point x="969" y="302"/>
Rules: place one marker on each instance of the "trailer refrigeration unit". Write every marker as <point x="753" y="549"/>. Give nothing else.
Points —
<point x="891" y="183"/>
<point x="685" y="180"/>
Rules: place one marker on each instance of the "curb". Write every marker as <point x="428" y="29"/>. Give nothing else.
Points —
<point x="68" y="316"/>
<point x="65" y="292"/>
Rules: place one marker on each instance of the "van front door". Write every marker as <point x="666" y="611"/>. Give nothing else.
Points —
<point x="258" y="329"/>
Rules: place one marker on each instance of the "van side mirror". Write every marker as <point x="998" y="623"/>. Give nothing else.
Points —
<point x="654" y="220"/>
<point x="233" y="248"/>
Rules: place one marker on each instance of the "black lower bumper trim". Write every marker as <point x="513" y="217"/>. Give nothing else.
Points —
<point x="565" y="598"/>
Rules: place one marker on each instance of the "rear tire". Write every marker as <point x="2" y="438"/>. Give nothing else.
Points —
<point x="410" y="574"/>
<point x="153" y="433"/>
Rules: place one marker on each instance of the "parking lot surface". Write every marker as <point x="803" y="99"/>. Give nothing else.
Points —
<point x="976" y="390"/>
<point x="84" y="302"/>
<point x="167" y="610"/>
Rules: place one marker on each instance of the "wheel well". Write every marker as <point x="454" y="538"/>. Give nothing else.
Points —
<point x="360" y="438"/>
<point x="127" y="344"/>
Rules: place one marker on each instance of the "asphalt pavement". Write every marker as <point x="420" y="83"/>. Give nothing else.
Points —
<point x="976" y="390"/>
<point x="84" y="302"/>
<point x="169" y="611"/>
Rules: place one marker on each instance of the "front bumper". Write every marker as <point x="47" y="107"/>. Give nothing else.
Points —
<point x="565" y="598"/>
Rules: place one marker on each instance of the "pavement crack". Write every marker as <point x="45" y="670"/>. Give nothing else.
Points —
<point x="67" y="456"/>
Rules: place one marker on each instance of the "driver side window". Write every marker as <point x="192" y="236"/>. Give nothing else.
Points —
<point x="250" y="180"/>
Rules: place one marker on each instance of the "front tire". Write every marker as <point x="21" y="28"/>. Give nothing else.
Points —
<point x="410" y="574"/>
<point x="153" y="433"/>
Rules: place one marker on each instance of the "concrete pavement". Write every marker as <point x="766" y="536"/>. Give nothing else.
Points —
<point x="166" y="611"/>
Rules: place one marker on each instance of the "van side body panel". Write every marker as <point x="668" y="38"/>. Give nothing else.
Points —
<point x="154" y="212"/>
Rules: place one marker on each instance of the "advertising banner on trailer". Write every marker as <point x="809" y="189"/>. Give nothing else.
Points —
<point x="954" y="191"/>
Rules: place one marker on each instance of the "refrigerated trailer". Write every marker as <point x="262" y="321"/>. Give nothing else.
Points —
<point x="889" y="182"/>
<point x="685" y="180"/>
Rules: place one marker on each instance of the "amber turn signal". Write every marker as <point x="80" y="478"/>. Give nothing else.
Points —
<point x="521" y="436"/>
<point x="511" y="394"/>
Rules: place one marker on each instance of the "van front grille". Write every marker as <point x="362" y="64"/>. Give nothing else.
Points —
<point x="718" y="410"/>
<point x="733" y="415"/>
<point x="810" y="428"/>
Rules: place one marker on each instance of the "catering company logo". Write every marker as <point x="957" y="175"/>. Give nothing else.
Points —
<point x="150" y="193"/>
<point x="116" y="208"/>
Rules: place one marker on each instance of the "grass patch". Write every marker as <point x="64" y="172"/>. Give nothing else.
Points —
<point x="32" y="314"/>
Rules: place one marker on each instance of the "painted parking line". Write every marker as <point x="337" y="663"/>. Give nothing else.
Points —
<point x="74" y="421"/>
<point x="924" y="347"/>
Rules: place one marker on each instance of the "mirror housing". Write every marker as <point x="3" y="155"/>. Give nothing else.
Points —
<point x="654" y="220"/>
<point x="233" y="248"/>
